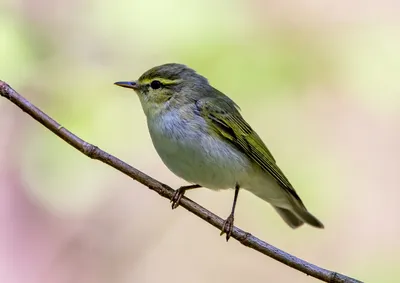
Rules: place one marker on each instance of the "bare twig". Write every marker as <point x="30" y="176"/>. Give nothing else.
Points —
<point x="95" y="153"/>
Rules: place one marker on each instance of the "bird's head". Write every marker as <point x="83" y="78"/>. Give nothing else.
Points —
<point x="167" y="86"/>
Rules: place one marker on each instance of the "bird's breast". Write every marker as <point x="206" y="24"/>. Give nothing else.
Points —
<point x="189" y="150"/>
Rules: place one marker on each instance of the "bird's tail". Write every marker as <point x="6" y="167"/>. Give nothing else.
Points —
<point x="289" y="217"/>
<point x="309" y="218"/>
<point x="301" y="211"/>
<point x="291" y="209"/>
<point x="299" y="215"/>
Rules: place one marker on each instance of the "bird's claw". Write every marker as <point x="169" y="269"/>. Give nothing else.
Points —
<point x="178" y="194"/>
<point x="227" y="227"/>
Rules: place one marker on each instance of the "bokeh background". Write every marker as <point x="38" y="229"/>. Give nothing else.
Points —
<point x="318" y="80"/>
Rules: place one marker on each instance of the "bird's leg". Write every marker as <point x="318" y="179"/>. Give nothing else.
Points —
<point x="227" y="227"/>
<point x="179" y="194"/>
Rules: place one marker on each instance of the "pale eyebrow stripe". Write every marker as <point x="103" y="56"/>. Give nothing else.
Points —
<point x="161" y="80"/>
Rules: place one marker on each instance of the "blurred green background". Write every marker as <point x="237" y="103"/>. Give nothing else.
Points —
<point x="318" y="81"/>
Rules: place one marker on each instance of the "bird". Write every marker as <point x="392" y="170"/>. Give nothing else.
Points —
<point x="201" y="136"/>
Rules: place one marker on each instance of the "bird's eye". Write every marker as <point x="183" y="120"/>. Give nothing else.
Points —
<point x="156" y="84"/>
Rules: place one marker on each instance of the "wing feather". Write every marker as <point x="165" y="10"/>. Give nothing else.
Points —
<point x="229" y="123"/>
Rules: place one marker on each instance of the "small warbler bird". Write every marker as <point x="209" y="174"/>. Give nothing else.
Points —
<point x="201" y="137"/>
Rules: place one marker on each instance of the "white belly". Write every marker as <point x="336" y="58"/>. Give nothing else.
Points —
<point x="192" y="154"/>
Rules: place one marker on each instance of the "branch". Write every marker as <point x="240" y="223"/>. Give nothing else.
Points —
<point x="167" y="192"/>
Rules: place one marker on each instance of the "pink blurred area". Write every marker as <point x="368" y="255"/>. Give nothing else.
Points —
<point x="317" y="80"/>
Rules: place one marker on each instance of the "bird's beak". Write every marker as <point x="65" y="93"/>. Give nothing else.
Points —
<point x="133" y="85"/>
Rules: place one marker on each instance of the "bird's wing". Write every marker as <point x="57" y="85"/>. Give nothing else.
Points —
<point x="230" y="125"/>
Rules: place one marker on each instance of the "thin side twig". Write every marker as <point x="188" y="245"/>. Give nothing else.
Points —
<point x="243" y="237"/>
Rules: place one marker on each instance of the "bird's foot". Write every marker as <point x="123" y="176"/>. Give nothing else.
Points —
<point x="176" y="198"/>
<point x="227" y="227"/>
<point x="178" y="194"/>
